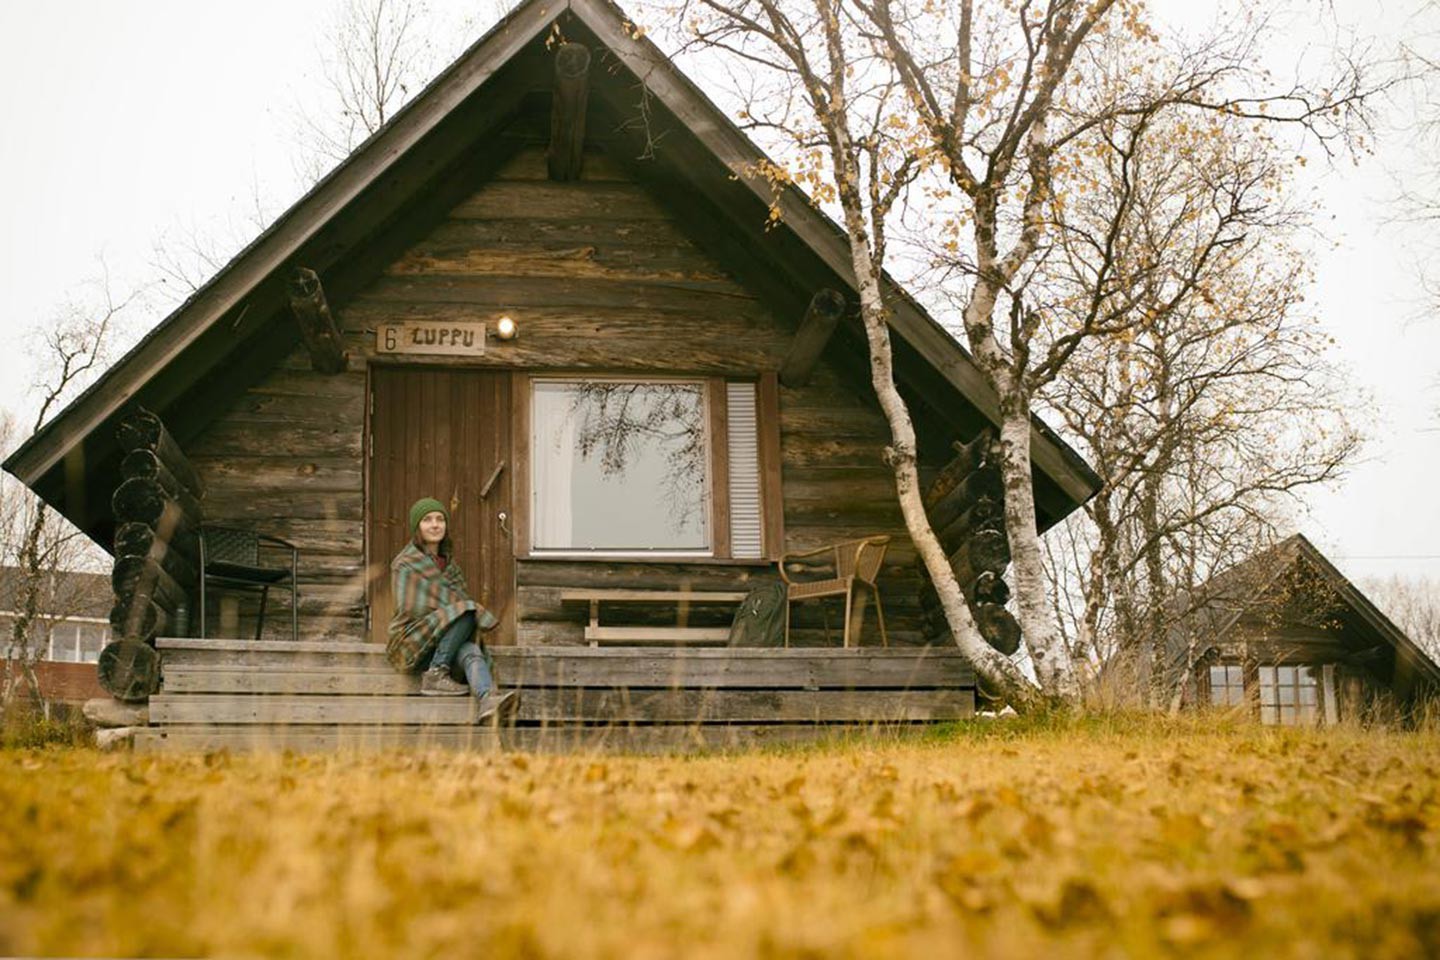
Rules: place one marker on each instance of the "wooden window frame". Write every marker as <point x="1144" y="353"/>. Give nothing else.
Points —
<point x="1318" y="707"/>
<point x="1209" y="682"/>
<point x="772" y="499"/>
<point x="767" y="404"/>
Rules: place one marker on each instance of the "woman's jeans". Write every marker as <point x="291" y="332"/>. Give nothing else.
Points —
<point x="457" y="650"/>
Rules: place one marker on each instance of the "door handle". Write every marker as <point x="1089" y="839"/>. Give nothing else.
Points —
<point x="495" y="475"/>
<point x="503" y="517"/>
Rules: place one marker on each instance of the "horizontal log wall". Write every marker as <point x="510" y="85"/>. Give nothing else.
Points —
<point x="598" y="277"/>
<point x="285" y="459"/>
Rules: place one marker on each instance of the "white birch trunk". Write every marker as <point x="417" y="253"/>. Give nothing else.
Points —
<point x="997" y="670"/>
<point x="1037" y="620"/>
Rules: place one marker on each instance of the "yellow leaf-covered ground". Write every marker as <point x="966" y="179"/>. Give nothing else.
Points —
<point x="1100" y="839"/>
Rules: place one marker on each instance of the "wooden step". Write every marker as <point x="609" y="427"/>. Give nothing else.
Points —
<point x="553" y="705"/>
<point x="809" y="668"/>
<point x="176" y="651"/>
<point x="665" y="739"/>
<point x="375" y="681"/>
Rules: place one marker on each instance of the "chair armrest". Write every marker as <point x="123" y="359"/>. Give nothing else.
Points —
<point x="780" y="564"/>
<point x="808" y="553"/>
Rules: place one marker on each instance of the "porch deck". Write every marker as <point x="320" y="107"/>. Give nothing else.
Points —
<point x="330" y="695"/>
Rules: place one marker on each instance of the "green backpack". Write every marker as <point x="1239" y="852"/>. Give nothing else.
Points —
<point x="760" y="621"/>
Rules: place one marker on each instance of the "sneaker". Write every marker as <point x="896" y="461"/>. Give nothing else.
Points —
<point x="496" y="705"/>
<point x="437" y="683"/>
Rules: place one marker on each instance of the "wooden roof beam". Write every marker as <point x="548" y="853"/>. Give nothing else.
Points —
<point x="567" y="111"/>
<point x="821" y="318"/>
<point x="317" y="324"/>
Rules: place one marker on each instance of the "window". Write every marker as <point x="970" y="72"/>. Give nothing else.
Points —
<point x="1289" y="695"/>
<point x="1227" y="685"/>
<point x="620" y="466"/>
<point x="649" y="467"/>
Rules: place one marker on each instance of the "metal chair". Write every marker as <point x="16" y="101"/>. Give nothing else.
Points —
<point x="855" y="562"/>
<point x="230" y="560"/>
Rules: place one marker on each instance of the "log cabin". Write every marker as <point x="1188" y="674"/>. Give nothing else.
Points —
<point x="549" y="292"/>
<point x="1285" y="637"/>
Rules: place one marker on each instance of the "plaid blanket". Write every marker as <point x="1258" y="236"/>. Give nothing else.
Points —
<point x="427" y="600"/>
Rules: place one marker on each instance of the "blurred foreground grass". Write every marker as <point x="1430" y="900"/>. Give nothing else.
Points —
<point x="1090" y="838"/>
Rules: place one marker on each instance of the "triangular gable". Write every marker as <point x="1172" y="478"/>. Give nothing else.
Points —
<point x="222" y="327"/>
<point x="1227" y="597"/>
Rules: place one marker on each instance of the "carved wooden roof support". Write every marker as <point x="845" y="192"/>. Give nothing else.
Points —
<point x="567" y="111"/>
<point x="317" y="324"/>
<point x="821" y="318"/>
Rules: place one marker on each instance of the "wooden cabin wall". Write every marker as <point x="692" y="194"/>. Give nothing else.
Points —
<point x="601" y="278"/>
<point x="285" y="459"/>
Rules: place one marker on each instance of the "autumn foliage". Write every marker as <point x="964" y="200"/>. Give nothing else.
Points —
<point x="1110" y="838"/>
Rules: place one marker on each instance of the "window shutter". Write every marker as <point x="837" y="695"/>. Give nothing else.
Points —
<point x="746" y="528"/>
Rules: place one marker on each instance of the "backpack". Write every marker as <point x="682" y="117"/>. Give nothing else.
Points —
<point x="760" y="621"/>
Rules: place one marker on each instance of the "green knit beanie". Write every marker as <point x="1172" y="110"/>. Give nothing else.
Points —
<point x="423" y="506"/>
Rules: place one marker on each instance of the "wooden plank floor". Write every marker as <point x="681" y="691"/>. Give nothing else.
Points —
<point x="341" y="694"/>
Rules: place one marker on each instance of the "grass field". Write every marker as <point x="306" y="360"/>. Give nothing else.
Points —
<point x="1084" y="838"/>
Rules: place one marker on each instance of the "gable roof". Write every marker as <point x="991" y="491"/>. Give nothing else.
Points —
<point x="1246" y="587"/>
<point x="228" y="326"/>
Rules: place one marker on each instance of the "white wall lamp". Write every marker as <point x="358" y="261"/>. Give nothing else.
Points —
<point x="506" y="329"/>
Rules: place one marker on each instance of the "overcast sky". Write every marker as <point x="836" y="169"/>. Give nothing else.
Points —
<point x="125" y="120"/>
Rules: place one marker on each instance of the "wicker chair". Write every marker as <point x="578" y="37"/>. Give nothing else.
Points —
<point x="230" y="560"/>
<point x="855" y="563"/>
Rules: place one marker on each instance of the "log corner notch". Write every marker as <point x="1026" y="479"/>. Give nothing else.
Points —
<point x="965" y="504"/>
<point x="821" y="318"/>
<point x="157" y="512"/>
<point x="317" y="324"/>
<point x="567" y="111"/>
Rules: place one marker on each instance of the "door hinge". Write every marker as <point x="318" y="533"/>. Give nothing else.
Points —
<point x="371" y="444"/>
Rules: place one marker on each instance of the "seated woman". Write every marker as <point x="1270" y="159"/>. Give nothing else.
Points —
<point x="435" y="624"/>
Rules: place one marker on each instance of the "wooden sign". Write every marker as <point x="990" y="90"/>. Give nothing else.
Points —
<point x="431" y="336"/>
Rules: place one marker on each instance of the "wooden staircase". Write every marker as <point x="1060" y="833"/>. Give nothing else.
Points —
<point x="333" y="695"/>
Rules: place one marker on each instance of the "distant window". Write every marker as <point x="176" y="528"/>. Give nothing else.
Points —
<point x="1289" y="696"/>
<point x="1227" y="685"/>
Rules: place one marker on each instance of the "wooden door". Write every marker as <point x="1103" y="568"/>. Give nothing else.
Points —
<point x="443" y="434"/>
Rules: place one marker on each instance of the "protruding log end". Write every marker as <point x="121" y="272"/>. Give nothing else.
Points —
<point x="821" y="318"/>
<point x="998" y="626"/>
<point x="129" y="670"/>
<point x="317" y="324"/>
<point x="568" y="104"/>
<point x="572" y="61"/>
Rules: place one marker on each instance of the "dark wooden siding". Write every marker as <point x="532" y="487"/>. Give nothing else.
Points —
<point x="285" y="458"/>
<point x="601" y="278"/>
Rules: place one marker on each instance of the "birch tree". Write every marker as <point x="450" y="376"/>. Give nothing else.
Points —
<point x="1191" y="415"/>
<point x="38" y="542"/>
<point x="982" y="122"/>
<point x="1413" y="603"/>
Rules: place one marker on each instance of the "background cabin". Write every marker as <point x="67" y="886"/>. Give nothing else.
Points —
<point x="1285" y="636"/>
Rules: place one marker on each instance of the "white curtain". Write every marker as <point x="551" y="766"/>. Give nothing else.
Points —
<point x="553" y="460"/>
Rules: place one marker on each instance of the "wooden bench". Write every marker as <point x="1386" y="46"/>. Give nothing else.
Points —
<point x="597" y="633"/>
